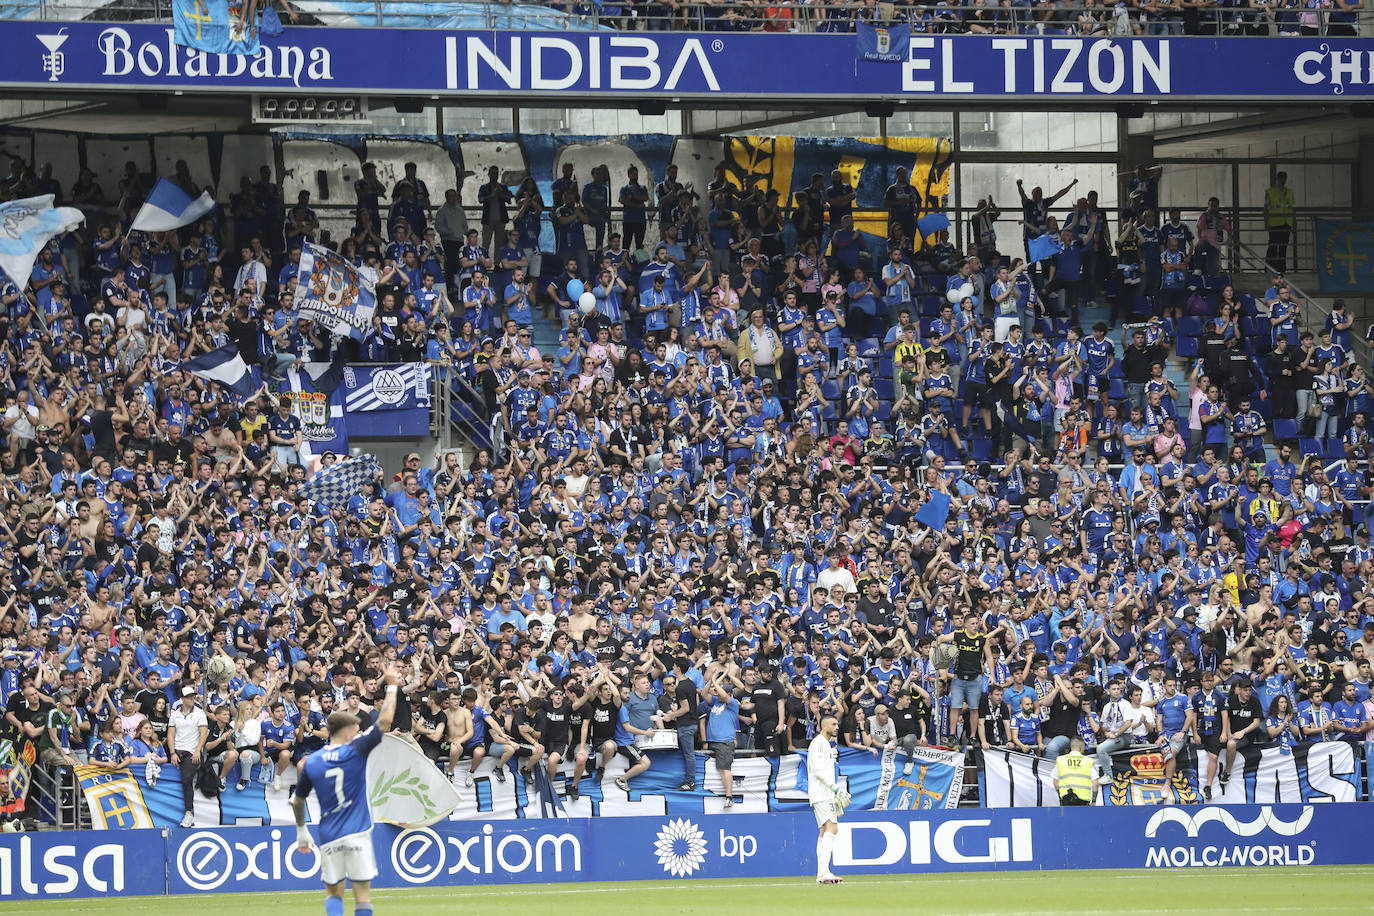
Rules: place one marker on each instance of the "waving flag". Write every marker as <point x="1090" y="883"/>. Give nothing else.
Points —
<point x="335" y="294"/>
<point x="332" y="486"/>
<point x="25" y="227"/>
<point x="935" y="512"/>
<point x="226" y="367"/>
<point x="407" y="789"/>
<point x="169" y="207"/>
<point x="212" y="26"/>
<point x="932" y="223"/>
<point x="1045" y="246"/>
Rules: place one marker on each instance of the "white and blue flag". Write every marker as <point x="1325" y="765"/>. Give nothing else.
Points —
<point x="332" y="486"/>
<point x="335" y="294"/>
<point x="25" y="227"/>
<point x="226" y="367"/>
<point x="401" y="386"/>
<point x="169" y="207"/>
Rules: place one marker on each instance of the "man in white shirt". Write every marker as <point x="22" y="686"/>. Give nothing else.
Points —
<point x="827" y="798"/>
<point x="837" y="574"/>
<point x="187" y="729"/>
<point x="1123" y="721"/>
<point x="251" y="268"/>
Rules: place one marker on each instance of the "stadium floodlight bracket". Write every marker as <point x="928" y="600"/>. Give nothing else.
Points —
<point x="1130" y="110"/>
<point x="408" y="106"/>
<point x="652" y="109"/>
<point x="309" y="109"/>
<point x="880" y="109"/>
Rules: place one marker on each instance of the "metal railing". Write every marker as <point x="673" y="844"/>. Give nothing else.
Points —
<point x="1314" y="314"/>
<point x="981" y="17"/>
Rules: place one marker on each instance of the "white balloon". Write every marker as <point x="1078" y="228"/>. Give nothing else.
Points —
<point x="955" y="296"/>
<point x="586" y="303"/>
<point x="966" y="291"/>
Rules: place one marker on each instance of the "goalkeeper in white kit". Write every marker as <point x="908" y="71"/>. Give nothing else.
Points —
<point x="827" y="799"/>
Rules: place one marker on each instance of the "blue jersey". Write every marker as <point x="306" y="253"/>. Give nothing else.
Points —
<point x="1172" y="712"/>
<point x="339" y="776"/>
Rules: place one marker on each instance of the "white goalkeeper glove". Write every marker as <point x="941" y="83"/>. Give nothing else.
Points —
<point x="842" y="798"/>
<point x="302" y="837"/>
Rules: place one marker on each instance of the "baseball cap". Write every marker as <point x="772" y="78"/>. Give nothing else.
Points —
<point x="188" y="691"/>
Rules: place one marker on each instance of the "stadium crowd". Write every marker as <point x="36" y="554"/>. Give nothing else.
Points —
<point x="988" y="17"/>
<point x="781" y="467"/>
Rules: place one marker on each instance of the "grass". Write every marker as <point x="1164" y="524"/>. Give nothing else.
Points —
<point x="1319" y="889"/>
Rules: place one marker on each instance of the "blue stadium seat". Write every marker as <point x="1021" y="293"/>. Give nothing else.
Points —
<point x="1248" y="306"/>
<point x="1118" y="389"/>
<point x="870" y="347"/>
<point x="1141" y="306"/>
<point x="1335" y="449"/>
<point x="830" y="389"/>
<point x="1264" y="407"/>
<point x="1285" y="429"/>
<point x="884" y="387"/>
<point x="1190" y="326"/>
<point x="884" y="410"/>
<point x="885" y="367"/>
<point x="925" y="324"/>
<point x="1187" y="346"/>
<point x="1308" y="446"/>
<point x="980" y="448"/>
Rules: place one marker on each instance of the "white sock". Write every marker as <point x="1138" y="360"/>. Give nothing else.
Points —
<point x="823" y="850"/>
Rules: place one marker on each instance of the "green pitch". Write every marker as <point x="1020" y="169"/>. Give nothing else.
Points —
<point x="1330" y="889"/>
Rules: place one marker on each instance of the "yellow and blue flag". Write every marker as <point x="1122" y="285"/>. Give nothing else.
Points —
<point x="214" y="26"/>
<point x="114" y="797"/>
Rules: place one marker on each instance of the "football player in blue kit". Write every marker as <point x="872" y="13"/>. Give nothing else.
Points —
<point x="338" y="775"/>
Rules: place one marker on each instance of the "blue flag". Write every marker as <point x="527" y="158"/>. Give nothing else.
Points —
<point x="169" y="207"/>
<point x="1045" y="246"/>
<point x="1345" y="256"/>
<point x="213" y="26"/>
<point x="932" y="223"/>
<point x="935" y="512"/>
<point x="335" y="294"/>
<point x="882" y="44"/>
<point x="226" y="367"/>
<point x="324" y="424"/>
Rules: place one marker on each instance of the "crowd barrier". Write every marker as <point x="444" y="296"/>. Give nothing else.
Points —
<point x="176" y="861"/>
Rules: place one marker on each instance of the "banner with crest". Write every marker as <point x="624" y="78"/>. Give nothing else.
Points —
<point x="335" y="294"/>
<point x="1307" y="772"/>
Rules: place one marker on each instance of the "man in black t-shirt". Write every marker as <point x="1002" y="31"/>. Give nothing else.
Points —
<point x="554" y="733"/>
<point x="685" y="718"/>
<point x="1061" y="709"/>
<point x="1240" y="723"/>
<point x="768" y="699"/>
<point x="910" y="729"/>
<point x="795" y="710"/>
<point x="527" y="727"/>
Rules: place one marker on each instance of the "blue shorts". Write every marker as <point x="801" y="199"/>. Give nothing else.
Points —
<point x="965" y="692"/>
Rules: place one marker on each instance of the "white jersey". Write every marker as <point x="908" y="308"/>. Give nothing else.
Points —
<point x="820" y="771"/>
